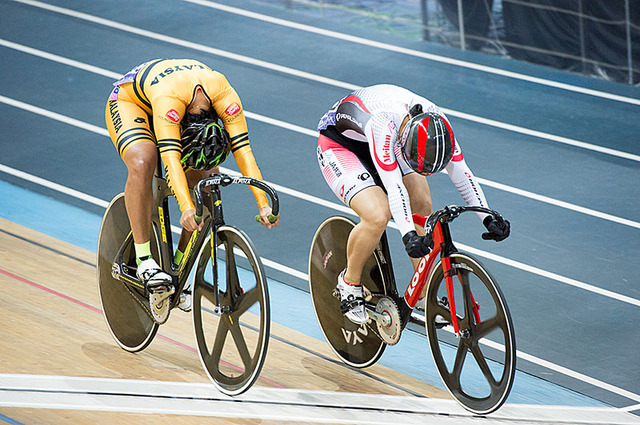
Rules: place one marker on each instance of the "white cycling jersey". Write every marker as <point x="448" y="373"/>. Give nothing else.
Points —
<point x="372" y="116"/>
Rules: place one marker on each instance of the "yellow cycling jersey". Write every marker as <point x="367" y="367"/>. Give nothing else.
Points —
<point x="163" y="89"/>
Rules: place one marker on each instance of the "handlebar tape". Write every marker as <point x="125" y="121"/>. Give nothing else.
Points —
<point x="272" y="218"/>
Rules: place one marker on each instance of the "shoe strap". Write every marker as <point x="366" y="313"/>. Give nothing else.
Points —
<point x="350" y="303"/>
<point x="149" y="273"/>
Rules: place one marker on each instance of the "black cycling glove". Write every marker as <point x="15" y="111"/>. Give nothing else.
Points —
<point x="416" y="246"/>
<point x="497" y="230"/>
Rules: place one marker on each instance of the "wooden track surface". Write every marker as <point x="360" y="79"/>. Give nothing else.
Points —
<point x="51" y="324"/>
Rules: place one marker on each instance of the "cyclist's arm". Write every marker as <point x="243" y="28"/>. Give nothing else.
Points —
<point x="382" y="133"/>
<point x="465" y="181"/>
<point x="229" y="108"/>
<point x="167" y="114"/>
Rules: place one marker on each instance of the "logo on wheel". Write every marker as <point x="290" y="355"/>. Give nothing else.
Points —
<point x="349" y="335"/>
<point x="326" y="259"/>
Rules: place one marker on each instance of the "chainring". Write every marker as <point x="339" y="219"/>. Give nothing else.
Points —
<point x="160" y="304"/>
<point x="390" y="334"/>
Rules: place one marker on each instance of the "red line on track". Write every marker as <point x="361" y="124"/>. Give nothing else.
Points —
<point x="97" y="310"/>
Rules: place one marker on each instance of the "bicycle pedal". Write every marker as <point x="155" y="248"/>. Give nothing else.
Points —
<point x="440" y="322"/>
<point x="185" y="301"/>
<point x="160" y="293"/>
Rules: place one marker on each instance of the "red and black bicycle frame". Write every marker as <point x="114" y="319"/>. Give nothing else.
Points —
<point x="443" y="245"/>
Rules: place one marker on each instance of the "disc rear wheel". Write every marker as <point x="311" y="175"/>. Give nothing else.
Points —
<point x="125" y="308"/>
<point x="356" y="345"/>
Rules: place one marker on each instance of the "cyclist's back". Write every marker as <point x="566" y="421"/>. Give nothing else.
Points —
<point x="382" y="103"/>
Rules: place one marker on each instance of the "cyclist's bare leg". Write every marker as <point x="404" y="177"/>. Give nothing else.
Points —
<point x="193" y="177"/>
<point x="419" y="193"/>
<point x="141" y="160"/>
<point x="372" y="206"/>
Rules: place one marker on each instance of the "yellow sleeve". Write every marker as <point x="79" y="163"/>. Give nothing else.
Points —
<point x="167" y="114"/>
<point x="177" y="181"/>
<point x="229" y="108"/>
<point x="248" y="167"/>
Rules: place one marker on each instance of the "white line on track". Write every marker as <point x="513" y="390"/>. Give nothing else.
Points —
<point x="321" y="79"/>
<point x="297" y="129"/>
<point x="274" y="404"/>
<point x="632" y="408"/>
<point x="411" y="52"/>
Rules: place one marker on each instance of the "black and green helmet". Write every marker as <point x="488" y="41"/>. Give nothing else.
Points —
<point x="205" y="145"/>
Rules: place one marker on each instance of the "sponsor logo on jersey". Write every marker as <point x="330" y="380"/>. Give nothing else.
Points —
<point x="115" y="116"/>
<point x="405" y="207"/>
<point x="171" y="70"/>
<point x="321" y="158"/>
<point x="348" y="192"/>
<point x="334" y="167"/>
<point x="341" y="116"/>
<point x="232" y="109"/>
<point x="473" y="187"/>
<point x="331" y="160"/>
<point x="387" y="162"/>
<point x="173" y="115"/>
<point x="386" y="150"/>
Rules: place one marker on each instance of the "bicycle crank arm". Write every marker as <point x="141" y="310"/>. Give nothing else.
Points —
<point x="387" y="318"/>
<point x="382" y="319"/>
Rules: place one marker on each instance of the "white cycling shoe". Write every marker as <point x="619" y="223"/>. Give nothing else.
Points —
<point x="352" y="301"/>
<point x="156" y="281"/>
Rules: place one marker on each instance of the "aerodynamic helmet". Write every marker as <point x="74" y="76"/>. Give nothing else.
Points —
<point x="205" y="144"/>
<point x="427" y="143"/>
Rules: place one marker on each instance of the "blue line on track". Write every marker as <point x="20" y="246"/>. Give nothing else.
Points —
<point x="9" y="420"/>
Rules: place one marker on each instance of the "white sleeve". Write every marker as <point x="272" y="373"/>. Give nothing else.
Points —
<point x="464" y="180"/>
<point x="382" y="133"/>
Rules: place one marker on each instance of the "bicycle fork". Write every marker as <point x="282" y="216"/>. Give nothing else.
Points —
<point x="443" y="246"/>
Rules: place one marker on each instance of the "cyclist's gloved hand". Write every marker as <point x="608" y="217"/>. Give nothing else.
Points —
<point x="417" y="246"/>
<point x="497" y="230"/>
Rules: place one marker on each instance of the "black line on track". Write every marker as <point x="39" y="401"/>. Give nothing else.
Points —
<point x="48" y="248"/>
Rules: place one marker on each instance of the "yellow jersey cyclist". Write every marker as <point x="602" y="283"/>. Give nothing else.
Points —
<point x="175" y="107"/>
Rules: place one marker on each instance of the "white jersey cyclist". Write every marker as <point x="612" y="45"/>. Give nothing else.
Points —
<point x="358" y="148"/>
